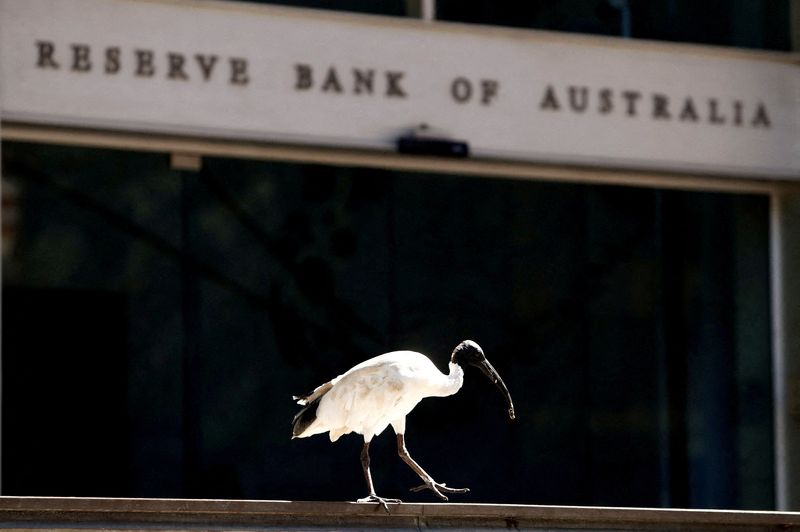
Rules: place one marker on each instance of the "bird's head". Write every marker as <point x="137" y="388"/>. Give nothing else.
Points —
<point x="470" y="353"/>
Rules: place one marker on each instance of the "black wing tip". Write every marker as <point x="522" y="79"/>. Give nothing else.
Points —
<point x="308" y="414"/>
<point x="302" y="420"/>
<point x="305" y="417"/>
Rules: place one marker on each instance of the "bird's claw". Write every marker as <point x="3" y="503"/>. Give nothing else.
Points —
<point x="380" y="500"/>
<point x="439" y="488"/>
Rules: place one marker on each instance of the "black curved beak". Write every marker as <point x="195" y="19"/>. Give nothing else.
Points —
<point x="493" y="376"/>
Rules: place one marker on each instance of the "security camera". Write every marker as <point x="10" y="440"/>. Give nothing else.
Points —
<point x="421" y="142"/>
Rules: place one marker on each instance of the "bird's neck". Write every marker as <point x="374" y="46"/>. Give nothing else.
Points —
<point x="453" y="381"/>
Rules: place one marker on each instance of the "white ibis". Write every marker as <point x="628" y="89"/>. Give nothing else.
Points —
<point x="380" y="392"/>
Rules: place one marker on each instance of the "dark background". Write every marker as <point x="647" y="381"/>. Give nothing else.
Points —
<point x="156" y="324"/>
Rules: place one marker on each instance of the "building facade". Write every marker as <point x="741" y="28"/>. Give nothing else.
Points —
<point x="210" y="206"/>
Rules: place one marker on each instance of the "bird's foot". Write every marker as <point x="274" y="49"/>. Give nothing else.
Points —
<point x="439" y="489"/>
<point x="380" y="500"/>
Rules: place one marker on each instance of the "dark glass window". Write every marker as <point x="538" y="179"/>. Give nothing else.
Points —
<point x="762" y="24"/>
<point x="758" y="24"/>
<point x="156" y="324"/>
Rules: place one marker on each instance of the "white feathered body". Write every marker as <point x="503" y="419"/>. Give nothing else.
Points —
<point x="378" y="392"/>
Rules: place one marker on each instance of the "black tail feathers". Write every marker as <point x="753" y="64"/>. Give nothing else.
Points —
<point x="308" y="414"/>
<point x="305" y="417"/>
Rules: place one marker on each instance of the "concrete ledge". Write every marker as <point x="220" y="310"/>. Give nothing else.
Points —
<point x="32" y="513"/>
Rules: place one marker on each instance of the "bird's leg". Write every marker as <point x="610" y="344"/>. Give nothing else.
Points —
<point x="372" y="497"/>
<point x="429" y="482"/>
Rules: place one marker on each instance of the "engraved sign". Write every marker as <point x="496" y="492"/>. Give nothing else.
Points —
<point x="272" y="74"/>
